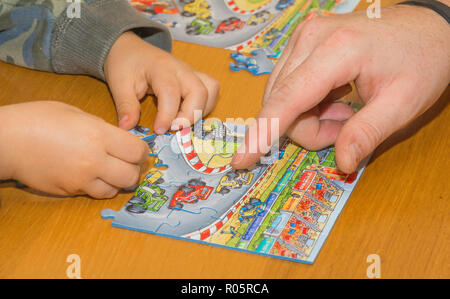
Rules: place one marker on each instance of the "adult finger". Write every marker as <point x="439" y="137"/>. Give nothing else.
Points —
<point x="370" y="126"/>
<point x="332" y="64"/>
<point x="302" y="42"/>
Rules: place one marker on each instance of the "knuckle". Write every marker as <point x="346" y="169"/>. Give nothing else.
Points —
<point x="109" y="192"/>
<point x="168" y="86"/>
<point x="69" y="187"/>
<point x="94" y="136"/>
<point x="311" y="27"/>
<point x="282" y="93"/>
<point x="142" y="150"/>
<point x="215" y="85"/>
<point x="132" y="177"/>
<point x="124" y="106"/>
<point x="87" y="165"/>
<point x="341" y="38"/>
<point x="202" y="92"/>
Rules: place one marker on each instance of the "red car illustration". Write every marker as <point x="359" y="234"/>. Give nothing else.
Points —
<point x="230" y="24"/>
<point x="154" y="7"/>
<point x="192" y="192"/>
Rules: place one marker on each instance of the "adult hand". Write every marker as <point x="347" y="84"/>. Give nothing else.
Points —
<point x="400" y="64"/>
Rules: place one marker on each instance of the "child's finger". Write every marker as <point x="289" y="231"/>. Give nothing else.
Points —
<point x="120" y="174"/>
<point x="100" y="189"/>
<point x="213" y="87"/>
<point x="168" y="92"/>
<point x="125" y="146"/>
<point x="127" y="104"/>
<point x="195" y="97"/>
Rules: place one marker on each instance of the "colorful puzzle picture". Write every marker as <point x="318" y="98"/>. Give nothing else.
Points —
<point x="258" y="28"/>
<point x="237" y="24"/>
<point x="284" y="207"/>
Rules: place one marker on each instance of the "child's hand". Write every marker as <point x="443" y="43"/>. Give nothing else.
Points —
<point x="134" y="68"/>
<point x="59" y="149"/>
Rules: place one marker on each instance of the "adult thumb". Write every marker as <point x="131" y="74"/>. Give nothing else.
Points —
<point x="367" y="128"/>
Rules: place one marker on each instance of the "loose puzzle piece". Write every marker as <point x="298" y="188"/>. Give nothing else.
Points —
<point x="284" y="207"/>
<point x="258" y="64"/>
<point x="238" y="25"/>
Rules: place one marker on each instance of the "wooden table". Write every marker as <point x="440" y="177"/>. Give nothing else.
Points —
<point x="399" y="210"/>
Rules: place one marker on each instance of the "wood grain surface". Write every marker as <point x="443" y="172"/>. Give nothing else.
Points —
<point x="399" y="210"/>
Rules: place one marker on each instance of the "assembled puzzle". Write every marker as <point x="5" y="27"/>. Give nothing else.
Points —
<point x="284" y="207"/>
<point x="245" y="26"/>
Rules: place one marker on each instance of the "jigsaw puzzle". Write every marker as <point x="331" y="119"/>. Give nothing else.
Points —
<point x="245" y="26"/>
<point x="284" y="207"/>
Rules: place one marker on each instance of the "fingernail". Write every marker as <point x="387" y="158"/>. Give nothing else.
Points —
<point x="237" y="158"/>
<point x="160" y="131"/>
<point x="180" y="123"/>
<point x="122" y="120"/>
<point x="175" y="127"/>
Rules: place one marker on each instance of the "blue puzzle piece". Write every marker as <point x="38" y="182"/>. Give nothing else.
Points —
<point x="258" y="64"/>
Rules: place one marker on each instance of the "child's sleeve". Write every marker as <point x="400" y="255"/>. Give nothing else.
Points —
<point x="70" y="36"/>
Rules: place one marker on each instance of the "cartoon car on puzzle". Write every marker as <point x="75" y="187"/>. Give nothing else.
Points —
<point x="198" y="8"/>
<point x="230" y="24"/>
<point x="191" y="192"/>
<point x="154" y="7"/>
<point x="234" y="180"/>
<point x="147" y="198"/>
<point x="154" y="177"/>
<point x="271" y="34"/>
<point x="200" y="27"/>
<point x="260" y="17"/>
<point x="283" y="4"/>
<point x="251" y="209"/>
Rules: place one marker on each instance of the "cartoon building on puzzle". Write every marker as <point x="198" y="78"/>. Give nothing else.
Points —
<point x="304" y="214"/>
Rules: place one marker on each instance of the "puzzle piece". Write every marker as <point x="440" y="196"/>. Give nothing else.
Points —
<point x="204" y="217"/>
<point x="258" y="64"/>
<point x="140" y="222"/>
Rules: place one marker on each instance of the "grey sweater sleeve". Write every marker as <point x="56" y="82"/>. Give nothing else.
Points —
<point x="70" y="37"/>
<point x="81" y="43"/>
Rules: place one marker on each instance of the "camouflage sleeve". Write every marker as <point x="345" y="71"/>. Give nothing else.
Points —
<point x="70" y="36"/>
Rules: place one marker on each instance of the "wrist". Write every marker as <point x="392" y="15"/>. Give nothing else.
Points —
<point x="433" y="25"/>
<point x="119" y="50"/>
<point x="81" y="45"/>
<point x="440" y="8"/>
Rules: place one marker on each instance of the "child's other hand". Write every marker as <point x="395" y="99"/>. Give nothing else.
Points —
<point x="134" y="68"/>
<point x="59" y="149"/>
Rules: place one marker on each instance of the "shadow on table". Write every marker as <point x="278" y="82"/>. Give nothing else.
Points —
<point x="414" y="127"/>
